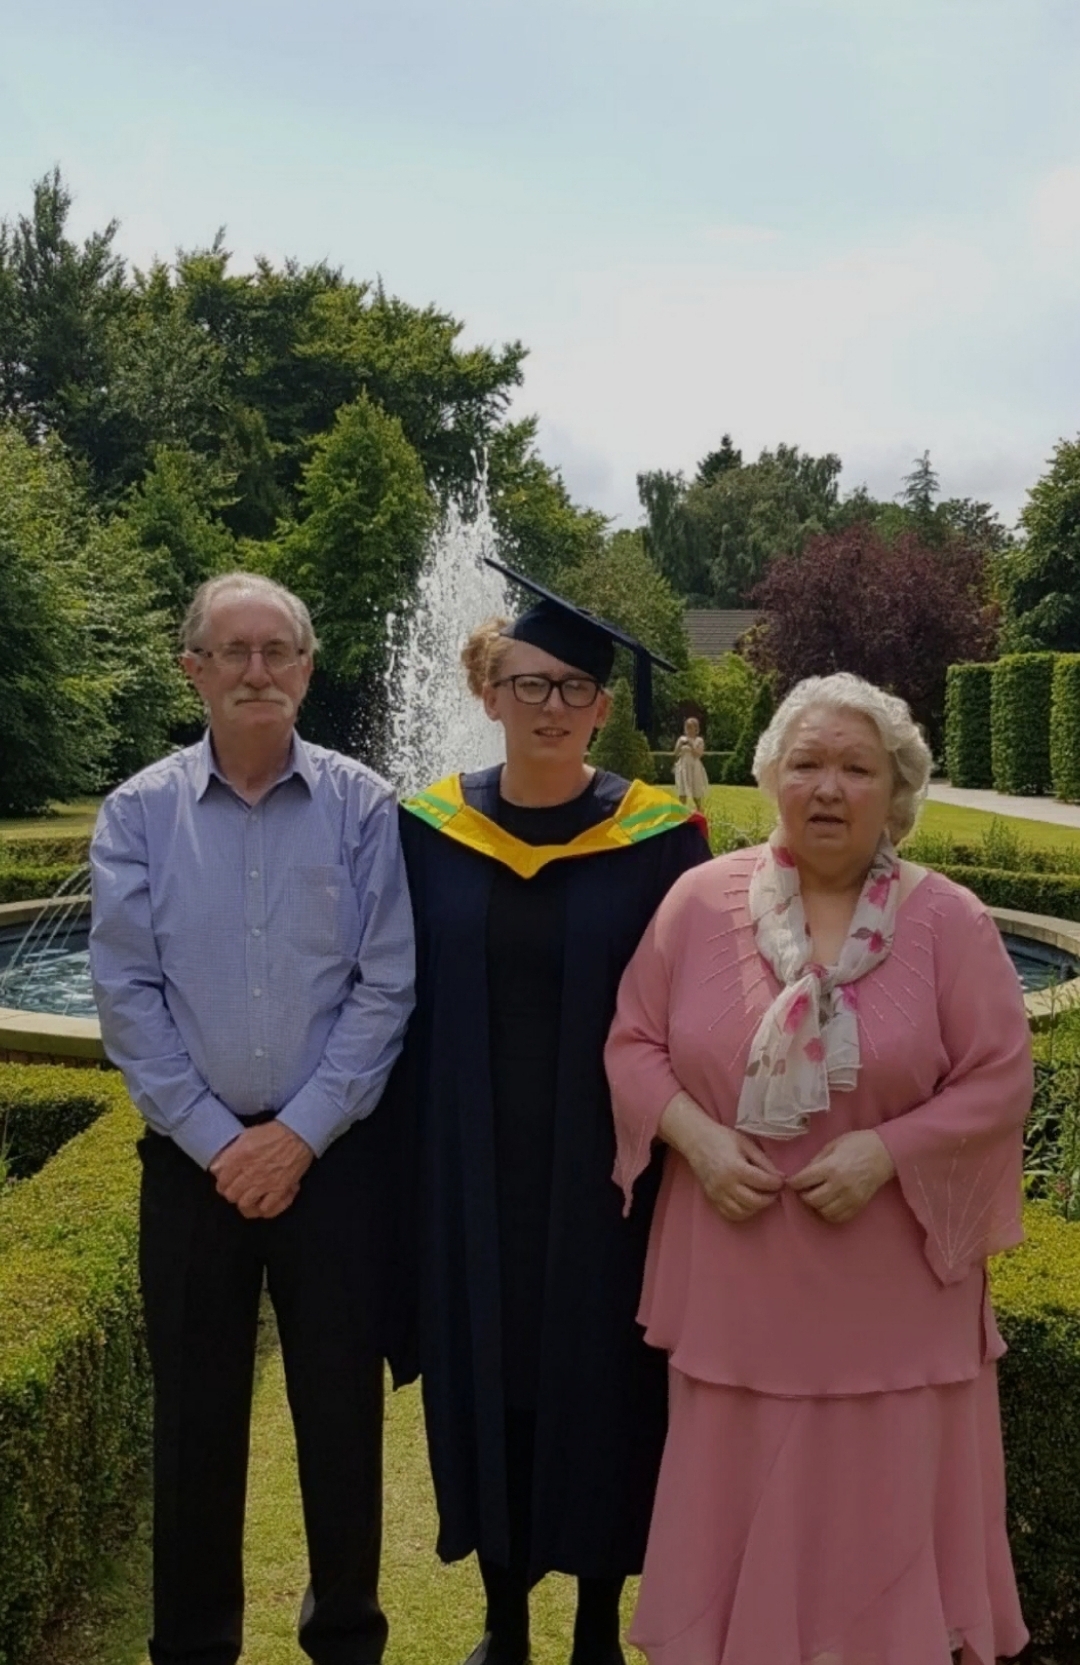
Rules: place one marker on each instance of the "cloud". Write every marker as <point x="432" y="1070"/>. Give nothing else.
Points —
<point x="952" y="336"/>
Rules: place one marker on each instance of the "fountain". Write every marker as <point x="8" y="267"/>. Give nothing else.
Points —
<point x="435" y="724"/>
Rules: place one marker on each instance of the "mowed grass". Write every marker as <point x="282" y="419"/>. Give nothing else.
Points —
<point x="435" y="1612"/>
<point x="747" y="808"/>
<point x="77" y="818"/>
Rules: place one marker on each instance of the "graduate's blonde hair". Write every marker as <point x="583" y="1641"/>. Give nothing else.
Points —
<point x="484" y="652"/>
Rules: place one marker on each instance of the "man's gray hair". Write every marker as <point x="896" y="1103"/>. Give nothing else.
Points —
<point x="253" y="584"/>
<point x="900" y="735"/>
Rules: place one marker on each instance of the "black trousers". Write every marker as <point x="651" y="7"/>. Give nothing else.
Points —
<point x="202" y="1267"/>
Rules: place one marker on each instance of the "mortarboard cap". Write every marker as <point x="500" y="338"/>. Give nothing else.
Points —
<point x="579" y="638"/>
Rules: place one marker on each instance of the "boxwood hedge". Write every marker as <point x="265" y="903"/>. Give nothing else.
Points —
<point x="1036" y="1293"/>
<point x="26" y="882"/>
<point x="967" y="725"/>
<point x="42" y="1107"/>
<point x="70" y="849"/>
<point x="1065" y="727"/>
<point x="1020" y="722"/>
<point x="74" y="1382"/>
<point x="1057" y="894"/>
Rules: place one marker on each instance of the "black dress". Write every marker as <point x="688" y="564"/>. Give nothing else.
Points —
<point x="529" y="1276"/>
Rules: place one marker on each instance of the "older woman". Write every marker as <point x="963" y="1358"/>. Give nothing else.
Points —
<point x="833" y="1044"/>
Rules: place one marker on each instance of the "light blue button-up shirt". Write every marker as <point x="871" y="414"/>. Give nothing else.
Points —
<point x="251" y="957"/>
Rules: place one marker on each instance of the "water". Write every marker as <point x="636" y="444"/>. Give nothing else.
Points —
<point x="49" y="978"/>
<point x="53" y="975"/>
<point x="1038" y="964"/>
<point x="436" y="726"/>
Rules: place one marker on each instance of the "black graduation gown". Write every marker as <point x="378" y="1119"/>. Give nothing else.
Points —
<point x="601" y="1392"/>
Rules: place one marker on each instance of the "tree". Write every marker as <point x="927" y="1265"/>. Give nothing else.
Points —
<point x="541" y="530"/>
<point x="718" y="462"/>
<point x="723" y="689"/>
<point x="89" y="685"/>
<point x="714" y="538"/>
<point x="353" y="554"/>
<point x="620" y="584"/>
<point x="620" y="746"/>
<point x="920" y="488"/>
<point x="173" y="514"/>
<point x="893" y="612"/>
<point x="1041" y="580"/>
<point x="59" y="305"/>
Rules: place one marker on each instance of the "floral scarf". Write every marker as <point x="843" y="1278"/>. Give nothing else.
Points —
<point x="807" y="1044"/>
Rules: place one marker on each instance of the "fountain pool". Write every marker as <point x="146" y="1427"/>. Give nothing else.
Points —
<point x="54" y="976"/>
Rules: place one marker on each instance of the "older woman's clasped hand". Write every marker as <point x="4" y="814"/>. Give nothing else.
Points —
<point x="740" y="1180"/>
<point x="732" y="1170"/>
<point x="844" y="1175"/>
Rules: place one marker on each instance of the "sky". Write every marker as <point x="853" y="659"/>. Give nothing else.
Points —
<point x="840" y="224"/>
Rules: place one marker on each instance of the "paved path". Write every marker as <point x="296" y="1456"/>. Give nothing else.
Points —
<point x="998" y="803"/>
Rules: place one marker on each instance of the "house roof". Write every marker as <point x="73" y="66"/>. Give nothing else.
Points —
<point x="713" y="631"/>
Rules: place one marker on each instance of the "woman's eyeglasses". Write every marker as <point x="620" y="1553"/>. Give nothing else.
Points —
<point x="578" y="692"/>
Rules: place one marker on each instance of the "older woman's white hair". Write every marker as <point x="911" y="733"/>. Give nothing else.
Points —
<point x="900" y="735"/>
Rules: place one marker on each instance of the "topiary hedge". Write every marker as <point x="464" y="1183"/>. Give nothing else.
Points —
<point x="1020" y="690"/>
<point x="1036" y="1292"/>
<point x="42" y="1106"/>
<point x="1065" y="727"/>
<point x="26" y="883"/>
<point x="967" y="725"/>
<point x="740" y="766"/>
<point x="620" y="746"/>
<point x="1057" y="894"/>
<point x="71" y="849"/>
<point x="74" y="1379"/>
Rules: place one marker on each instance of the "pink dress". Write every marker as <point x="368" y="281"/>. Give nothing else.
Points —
<point x="832" y="1488"/>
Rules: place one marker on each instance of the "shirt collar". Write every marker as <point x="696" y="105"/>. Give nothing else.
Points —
<point x="204" y="766"/>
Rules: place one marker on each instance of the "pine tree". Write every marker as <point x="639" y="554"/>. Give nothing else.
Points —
<point x="620" y="746"/>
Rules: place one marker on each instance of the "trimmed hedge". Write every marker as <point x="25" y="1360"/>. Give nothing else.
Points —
<point x="42" y="1106"/>
<point x="71" y="849"/>
<point x="1036" y="1291"/>
<point x="1020" y="691"/>
<point x="715" y="764"/>
<point x="1065" y="728"/>
<point x="1057" y="894"/>
<point x="967" y="725"/>
<point x="740" y="765"/>
<point x="74" y="1379"/>
<point x="27" y="883"/>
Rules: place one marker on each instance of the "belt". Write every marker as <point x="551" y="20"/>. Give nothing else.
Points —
<point x="260" y="1118"/>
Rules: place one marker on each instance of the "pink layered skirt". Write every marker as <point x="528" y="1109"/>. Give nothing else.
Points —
<point x="867" y="1530"/>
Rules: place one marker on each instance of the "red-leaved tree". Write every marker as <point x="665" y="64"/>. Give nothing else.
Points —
<point x="897" y="613"/>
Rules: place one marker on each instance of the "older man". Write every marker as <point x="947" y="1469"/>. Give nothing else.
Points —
<point x="252" y="952"/>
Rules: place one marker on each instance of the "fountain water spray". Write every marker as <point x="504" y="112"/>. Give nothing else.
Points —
<point x="435" y="725"/>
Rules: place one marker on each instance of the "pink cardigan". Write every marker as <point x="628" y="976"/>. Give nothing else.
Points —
<point x="786" y="1303"/>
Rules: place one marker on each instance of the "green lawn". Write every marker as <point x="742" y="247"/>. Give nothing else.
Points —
<point x="746" y="807"/>
<point x="435" y="1612"/>
<point x="64" y="818"/>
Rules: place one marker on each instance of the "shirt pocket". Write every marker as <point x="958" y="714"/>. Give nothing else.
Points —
<point x="323" y="917"/>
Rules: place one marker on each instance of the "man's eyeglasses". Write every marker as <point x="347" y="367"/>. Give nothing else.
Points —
<point x="578" y="692"/>
<point x="237" y="656"/>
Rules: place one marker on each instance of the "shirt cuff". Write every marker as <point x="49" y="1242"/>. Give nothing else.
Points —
<point x="314" y="1117"/>
<point x="206" y="1130"/>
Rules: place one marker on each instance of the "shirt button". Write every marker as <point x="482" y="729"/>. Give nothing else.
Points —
<point x="255" y="931"/>
<point x="254" y="874"/>
<point x="256" y="993"/>
<point x="259" y="1052"/>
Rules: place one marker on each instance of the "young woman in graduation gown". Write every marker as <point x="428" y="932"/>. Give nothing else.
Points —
<point x="532" y="884"/>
